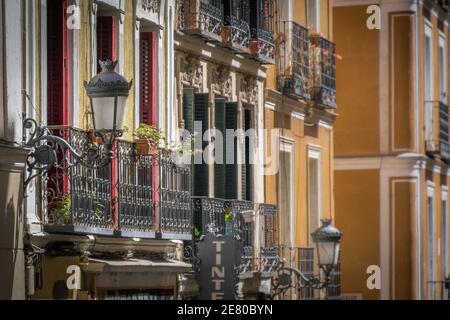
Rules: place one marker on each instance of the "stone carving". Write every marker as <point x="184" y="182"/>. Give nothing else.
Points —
<point x="151" y="5"/>
<point x="222" y="83"/>
<point x="192" y="71"/>
<point x="249" y="89"/>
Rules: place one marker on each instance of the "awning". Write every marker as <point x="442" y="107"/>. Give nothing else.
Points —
<point x="136" y="273"/>
<point x="136" y="265"/>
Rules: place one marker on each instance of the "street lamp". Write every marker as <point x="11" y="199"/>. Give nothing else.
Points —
<point x="108" y="92"/>
<point x="327" y="240"/>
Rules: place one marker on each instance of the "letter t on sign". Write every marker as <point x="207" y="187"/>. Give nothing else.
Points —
<point x="219" y="245"/>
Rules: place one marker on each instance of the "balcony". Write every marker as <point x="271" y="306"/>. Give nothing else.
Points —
<point x="323" y="68"/>
<point x="135" y="196"/>
<point x="269" y="255"/>
<point x="262" y="43"/>
<point x="294" y="64"/>
<point x="236" y="30"/>
<point x="203" y="18"/>
<point x="226" y="217"/>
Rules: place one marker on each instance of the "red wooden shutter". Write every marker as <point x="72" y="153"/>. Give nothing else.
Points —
<point x="57" y="54"/>
<point x="105" y="39"/>
<point x="146" y="78"/>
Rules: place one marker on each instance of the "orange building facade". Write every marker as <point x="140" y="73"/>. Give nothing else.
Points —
<point x="392" y="149"/>
<point x="299" y="113"/>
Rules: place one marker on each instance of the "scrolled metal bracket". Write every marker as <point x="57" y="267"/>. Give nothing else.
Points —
<point x="292" y="278"/>
<point x="49" y="151"/>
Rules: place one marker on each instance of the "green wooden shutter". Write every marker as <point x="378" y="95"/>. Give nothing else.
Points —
<point x="246" y="167"/>
<point x="220" y="153"/>
<point x="200" y="171"/>
<point x="188" y="109"/>
<point x="231" y="172"/>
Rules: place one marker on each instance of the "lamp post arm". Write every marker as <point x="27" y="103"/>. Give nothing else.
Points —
<point x="49" y="151"/>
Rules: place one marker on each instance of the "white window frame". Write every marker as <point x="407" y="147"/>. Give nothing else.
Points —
<point x="287" y="146"/>
<point x="114" y="8"/>
<point x="314" y="25"/>
<point x="429" y="78"/>
<point x="442" y="68"/>
<point x="431" y="243"/>
<point x="314" y="152"/>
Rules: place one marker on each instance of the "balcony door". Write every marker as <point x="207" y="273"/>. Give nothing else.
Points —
<point x="431" y="247"/>
<point x="429" y="97"/>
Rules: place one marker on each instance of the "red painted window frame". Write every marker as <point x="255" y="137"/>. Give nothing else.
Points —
<point x="148" y="104"/>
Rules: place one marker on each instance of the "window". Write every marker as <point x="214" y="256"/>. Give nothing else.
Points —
<point x="431" y="248"/>
<point x="314" y="191"/>
<point x="429" y="128"/>
<point x="147" y="78"/>
<point x="442" y="69"/>
<point x="248" y="148"/>
<point x="226" y="164"/>
<point x="57" y="63"/>
<point x="286" y="208"/>
<point x="313" y="11"/>
<point x="195" y="109"/>
<point x="106" y="39"/>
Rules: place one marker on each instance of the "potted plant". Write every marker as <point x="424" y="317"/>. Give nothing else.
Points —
<point x="61" y="213"/>
<point x="229" y="223"/>
<point x="147" y="140"/>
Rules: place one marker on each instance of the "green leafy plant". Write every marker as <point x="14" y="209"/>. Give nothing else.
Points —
<point x="148" y="132"/>
<point x="98" y="210"/>
<point x="61" y="208"/>
<point x="197" y="233"/>
<point x="229" y="217"/>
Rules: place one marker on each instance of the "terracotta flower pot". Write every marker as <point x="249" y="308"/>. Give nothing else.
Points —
<point x="146" y="148"/>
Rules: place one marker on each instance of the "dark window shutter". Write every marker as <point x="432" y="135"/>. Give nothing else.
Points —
<point x="200" y="171"/>
<point x="231" y="172"/>
<point x="105" y="39"/>
<point x="220" y="153"/>
<point x="188" y="110"/>
<point x="56" y="70"/>
<point x="146" y="78"/>
<point x="246" y="167"/>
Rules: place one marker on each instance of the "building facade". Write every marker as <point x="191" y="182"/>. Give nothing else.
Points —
<point x="391" y="147"/>
<point x="222" y="49"/>
<point x="123" y="225"/>
<point x="300" y="110"/>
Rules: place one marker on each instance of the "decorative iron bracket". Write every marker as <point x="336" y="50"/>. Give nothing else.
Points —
<point x="49" y="151"/>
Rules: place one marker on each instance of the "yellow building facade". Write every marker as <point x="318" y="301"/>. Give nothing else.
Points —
<point x="299" y="117"/>
<point x="391" y="148"/>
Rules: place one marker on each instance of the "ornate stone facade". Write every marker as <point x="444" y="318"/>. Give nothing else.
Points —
<point x="191" y="71"/>
<point x="222" y="83"/>
<point x="249" y="89"/>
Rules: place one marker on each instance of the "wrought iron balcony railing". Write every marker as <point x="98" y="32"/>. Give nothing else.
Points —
<point x="323" y="67"/>
<point x="270" y="260"/>
<point x="294" y="63"/>
<point x="226" y="217"/>
<point x="236" y="30"/>
<point x="269" y="253"/>
<point x="262" y="43"/>
<point x="204" y="18"/>
<point x="135" y="196"/>
<point x="74" y="198"/>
